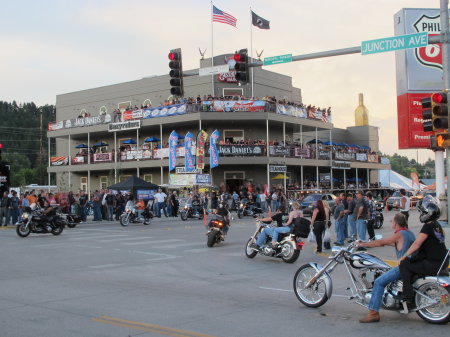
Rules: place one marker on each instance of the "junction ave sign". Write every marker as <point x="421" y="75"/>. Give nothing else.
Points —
<point x="394" y="43"/>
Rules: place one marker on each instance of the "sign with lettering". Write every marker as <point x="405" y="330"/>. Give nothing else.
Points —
<point x="113" y="127"/>
<point x="277" y="168"/>
<point x="341" y="165"/>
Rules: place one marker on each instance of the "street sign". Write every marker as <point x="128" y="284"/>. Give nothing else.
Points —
<point x="277" y="168"/>
<point x="394" y="43"/>
<point x="214" y="70"/>
<point x="268" y="61"/>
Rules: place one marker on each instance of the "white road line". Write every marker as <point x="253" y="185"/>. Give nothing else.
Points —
<point x="151" y="242"/>
<point x="178" y="245"/>
<point x="106" y="265"/>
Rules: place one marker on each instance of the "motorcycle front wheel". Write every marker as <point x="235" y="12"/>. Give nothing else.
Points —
<point x="378" y="223"/>
<point x="22" y="230"/>
<point x="239" y="214"/>
<point x="250" y="252"/>
<point x="71" y="224"/>
<point x="314" y="296"/>
<point x="183" y="216"/>
<point x="212" y="238"/>
<point x="125" y="220"/>
<point x="438" y="313"/>
<point x="288" y="253"/>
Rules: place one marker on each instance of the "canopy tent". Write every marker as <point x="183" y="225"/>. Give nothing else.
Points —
<point x="394" y="180"/>
<point x="151" y="139"/>
<point x="280" y="176"/>
<point x="133" y="183"/>
<point x="100" y="144"/>
<point x="81" y="146"/>
<point x="129" y="141"/>
<point x="313" y="141"/>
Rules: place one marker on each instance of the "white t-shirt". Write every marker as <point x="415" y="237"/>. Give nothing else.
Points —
<point x="160" y="196"/>
<point x="262" y="197"/>
<point x="274" y="196"/>
<point x="407" y="204"/>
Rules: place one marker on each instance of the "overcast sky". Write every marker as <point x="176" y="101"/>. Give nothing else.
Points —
<point x="52" y="47"/>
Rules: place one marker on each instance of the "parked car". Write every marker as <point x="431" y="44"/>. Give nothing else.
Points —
<point x="308" y="204"/>
<point x="395" y="199"/>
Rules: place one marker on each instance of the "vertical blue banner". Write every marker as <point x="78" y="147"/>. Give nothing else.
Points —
<point x="173" y="142"/>
<point x="189" y="164"/>
<point x="213" y="153"/>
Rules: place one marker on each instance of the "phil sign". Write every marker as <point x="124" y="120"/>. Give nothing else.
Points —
<point x="419" y="73"/>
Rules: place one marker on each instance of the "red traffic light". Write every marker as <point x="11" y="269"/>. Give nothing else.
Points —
<point x="173" y="56"/>
<point x="439" y="97"/>
<point x="239" y="57"/>
<point x="1" y="146"/>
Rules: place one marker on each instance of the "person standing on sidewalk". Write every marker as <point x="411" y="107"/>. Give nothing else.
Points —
<point x="160" y="198"/>
<point x="350" y="219"/>
<point x="14" y="208"/>
<point x="371" y="216"/>
<point x="83" y="203"/>
<point x="339" y="222"/>
<point x="402" y="239"/>
<point x="360" y="213"/>
<point x="5" y="203"/>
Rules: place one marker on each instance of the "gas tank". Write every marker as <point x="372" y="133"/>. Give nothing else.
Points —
<point x="366" y="260"/>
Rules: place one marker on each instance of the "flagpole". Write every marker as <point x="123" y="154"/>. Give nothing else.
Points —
<point x="212" y="50"/>
<point x="251" y="48"/>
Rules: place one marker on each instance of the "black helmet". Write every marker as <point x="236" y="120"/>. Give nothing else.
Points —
<point x="429" y="209"/>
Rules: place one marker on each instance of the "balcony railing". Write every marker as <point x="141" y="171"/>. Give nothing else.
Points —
<point x="187" y="108"/>
<point x="224" y="151"/>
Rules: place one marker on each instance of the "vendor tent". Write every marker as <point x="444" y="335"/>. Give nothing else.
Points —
<point x="133" y="183"/>
<point x="394" y="180"/>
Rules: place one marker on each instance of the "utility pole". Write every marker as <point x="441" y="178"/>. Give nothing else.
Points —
<point x="41" y="151"/>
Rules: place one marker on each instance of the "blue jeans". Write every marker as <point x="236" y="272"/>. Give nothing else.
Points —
<point x="15" y="215"/>
<point x="263" y="235"/>
<point x="161" y="206"/>
<point x="340" y="230"/>
<point x="83" y="213"/>
<point x="97" y="212"/>
<point x="351" y="226"/>
<point x="379" y="285"/>
<point x="110" y="212"/>
<point x="345" y="222"/>
<point x="278" y="230"/>
<point x="361" y="226"/>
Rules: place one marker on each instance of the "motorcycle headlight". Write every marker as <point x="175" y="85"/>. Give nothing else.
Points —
<point x="241" y="205"/>
<point x="186" y="207"/>
<point x="25" y="215"/>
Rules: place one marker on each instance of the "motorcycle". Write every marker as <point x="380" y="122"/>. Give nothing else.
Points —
<point x="131" y="216"/>
<point x="189" y="212"/>
<point x="34" y="221"/>
<point x="313" y="285"/>
<point x="215" y="232"/>
<point x="244" y="210"/>
<point x="70" y="220"/>
<point x="379" y="217"/>
<point x="288" y="249"/>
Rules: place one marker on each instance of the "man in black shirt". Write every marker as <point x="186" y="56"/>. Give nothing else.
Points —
<point x="223" y="211"/>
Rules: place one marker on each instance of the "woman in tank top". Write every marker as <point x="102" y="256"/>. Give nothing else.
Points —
<point x="402" y="239"/>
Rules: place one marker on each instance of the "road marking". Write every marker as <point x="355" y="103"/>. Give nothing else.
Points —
<point x="106" y="265"/>
<point x="89" y="237"/>
<point x="159" y="329"/>
<point x="153" y="242"/>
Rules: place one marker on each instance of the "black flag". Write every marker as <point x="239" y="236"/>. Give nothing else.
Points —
<point x="260" y="22"/>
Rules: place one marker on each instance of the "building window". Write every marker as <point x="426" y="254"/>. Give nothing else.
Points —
<point x="147" y="103"/>
<point x="103" y="110"/>
<point x="124" y="177"/>
<point x="233" y="135"/>
<point x="83" y="184"/>
<point x="103" y="182"/>
<point x="122" y="106"/>
<point x="233" y="92"/>
<point x="147" y="178"/>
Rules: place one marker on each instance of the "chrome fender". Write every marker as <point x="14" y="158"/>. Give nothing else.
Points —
<point x="442" y="280"/>
<point x="325" y="277"/>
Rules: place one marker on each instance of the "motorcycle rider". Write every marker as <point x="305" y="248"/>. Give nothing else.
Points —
<point x="402" y="239"/>
<point x="223" y="212"/>
<point x="430" y="251"/>
<point x="278" y="217"/>
<point x="196" y="204"/>
<point x="48" y="212"/>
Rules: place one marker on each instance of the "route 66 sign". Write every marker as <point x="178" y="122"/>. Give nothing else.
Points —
<point x="430" y="55"/>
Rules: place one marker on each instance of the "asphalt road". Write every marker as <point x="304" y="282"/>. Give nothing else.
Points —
<point x="101" y="279"/>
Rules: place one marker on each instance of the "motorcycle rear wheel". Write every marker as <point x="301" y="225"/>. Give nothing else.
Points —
<point x="250" y="252"/>
<point x="290" y="255"/>
<point x="212" y="238"/>
<point x="314" y="296"/>
<point x="23" y="231"/>
<point x="438" y="313"/>
<point x="58" y="230"/>
<point x="124" y="220"/>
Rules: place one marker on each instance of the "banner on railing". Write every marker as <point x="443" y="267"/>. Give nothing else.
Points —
<point x="103" y="157"/>
<point x="163" y="111"/>
<point x="120" y="126"/>
<point x="78" y="160"/>
<point x="361" y="157"/>
<point x="302" y="152"/>
<point x="384" y="160"/>
<point x="77" y="122"/>
<point x="373" y="158"/>
<point x="241" y="150"/>
<point x="59" y="161"/>
<point x="230" y="106"/>
<point x="278" y="150"/>
<point x="344" y="155"/>
<point x="324" y="155"/>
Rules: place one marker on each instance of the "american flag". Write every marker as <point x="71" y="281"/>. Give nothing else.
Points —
<point x="220" y="16"/>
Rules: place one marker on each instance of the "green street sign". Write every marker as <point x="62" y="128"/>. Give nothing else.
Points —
<point x="268" y="61"/>
<point x="394" y="43"/>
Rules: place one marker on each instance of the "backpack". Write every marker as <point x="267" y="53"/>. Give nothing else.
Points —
<point x="301" y="227"/>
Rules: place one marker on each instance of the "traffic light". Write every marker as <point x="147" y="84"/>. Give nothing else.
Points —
<point x="438" y="108"/>
<point x="443" y="140"/>
<point x="427" y="114"/>
<point x="1" y="147"/>
<point x="176" y="72"/>
<point x="434" y="143"/>
<point x="241" y="66"/>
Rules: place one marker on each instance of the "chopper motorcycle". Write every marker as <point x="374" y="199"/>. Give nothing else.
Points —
<point x="313" y="285"/>
<point x="34" y="221"/>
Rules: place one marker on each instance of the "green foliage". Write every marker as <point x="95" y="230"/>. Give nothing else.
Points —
<point x="405" y="166"/>
<point x="23" y="134"/>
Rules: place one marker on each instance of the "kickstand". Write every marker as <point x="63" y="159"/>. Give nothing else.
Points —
<point x="405" y="308"/>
